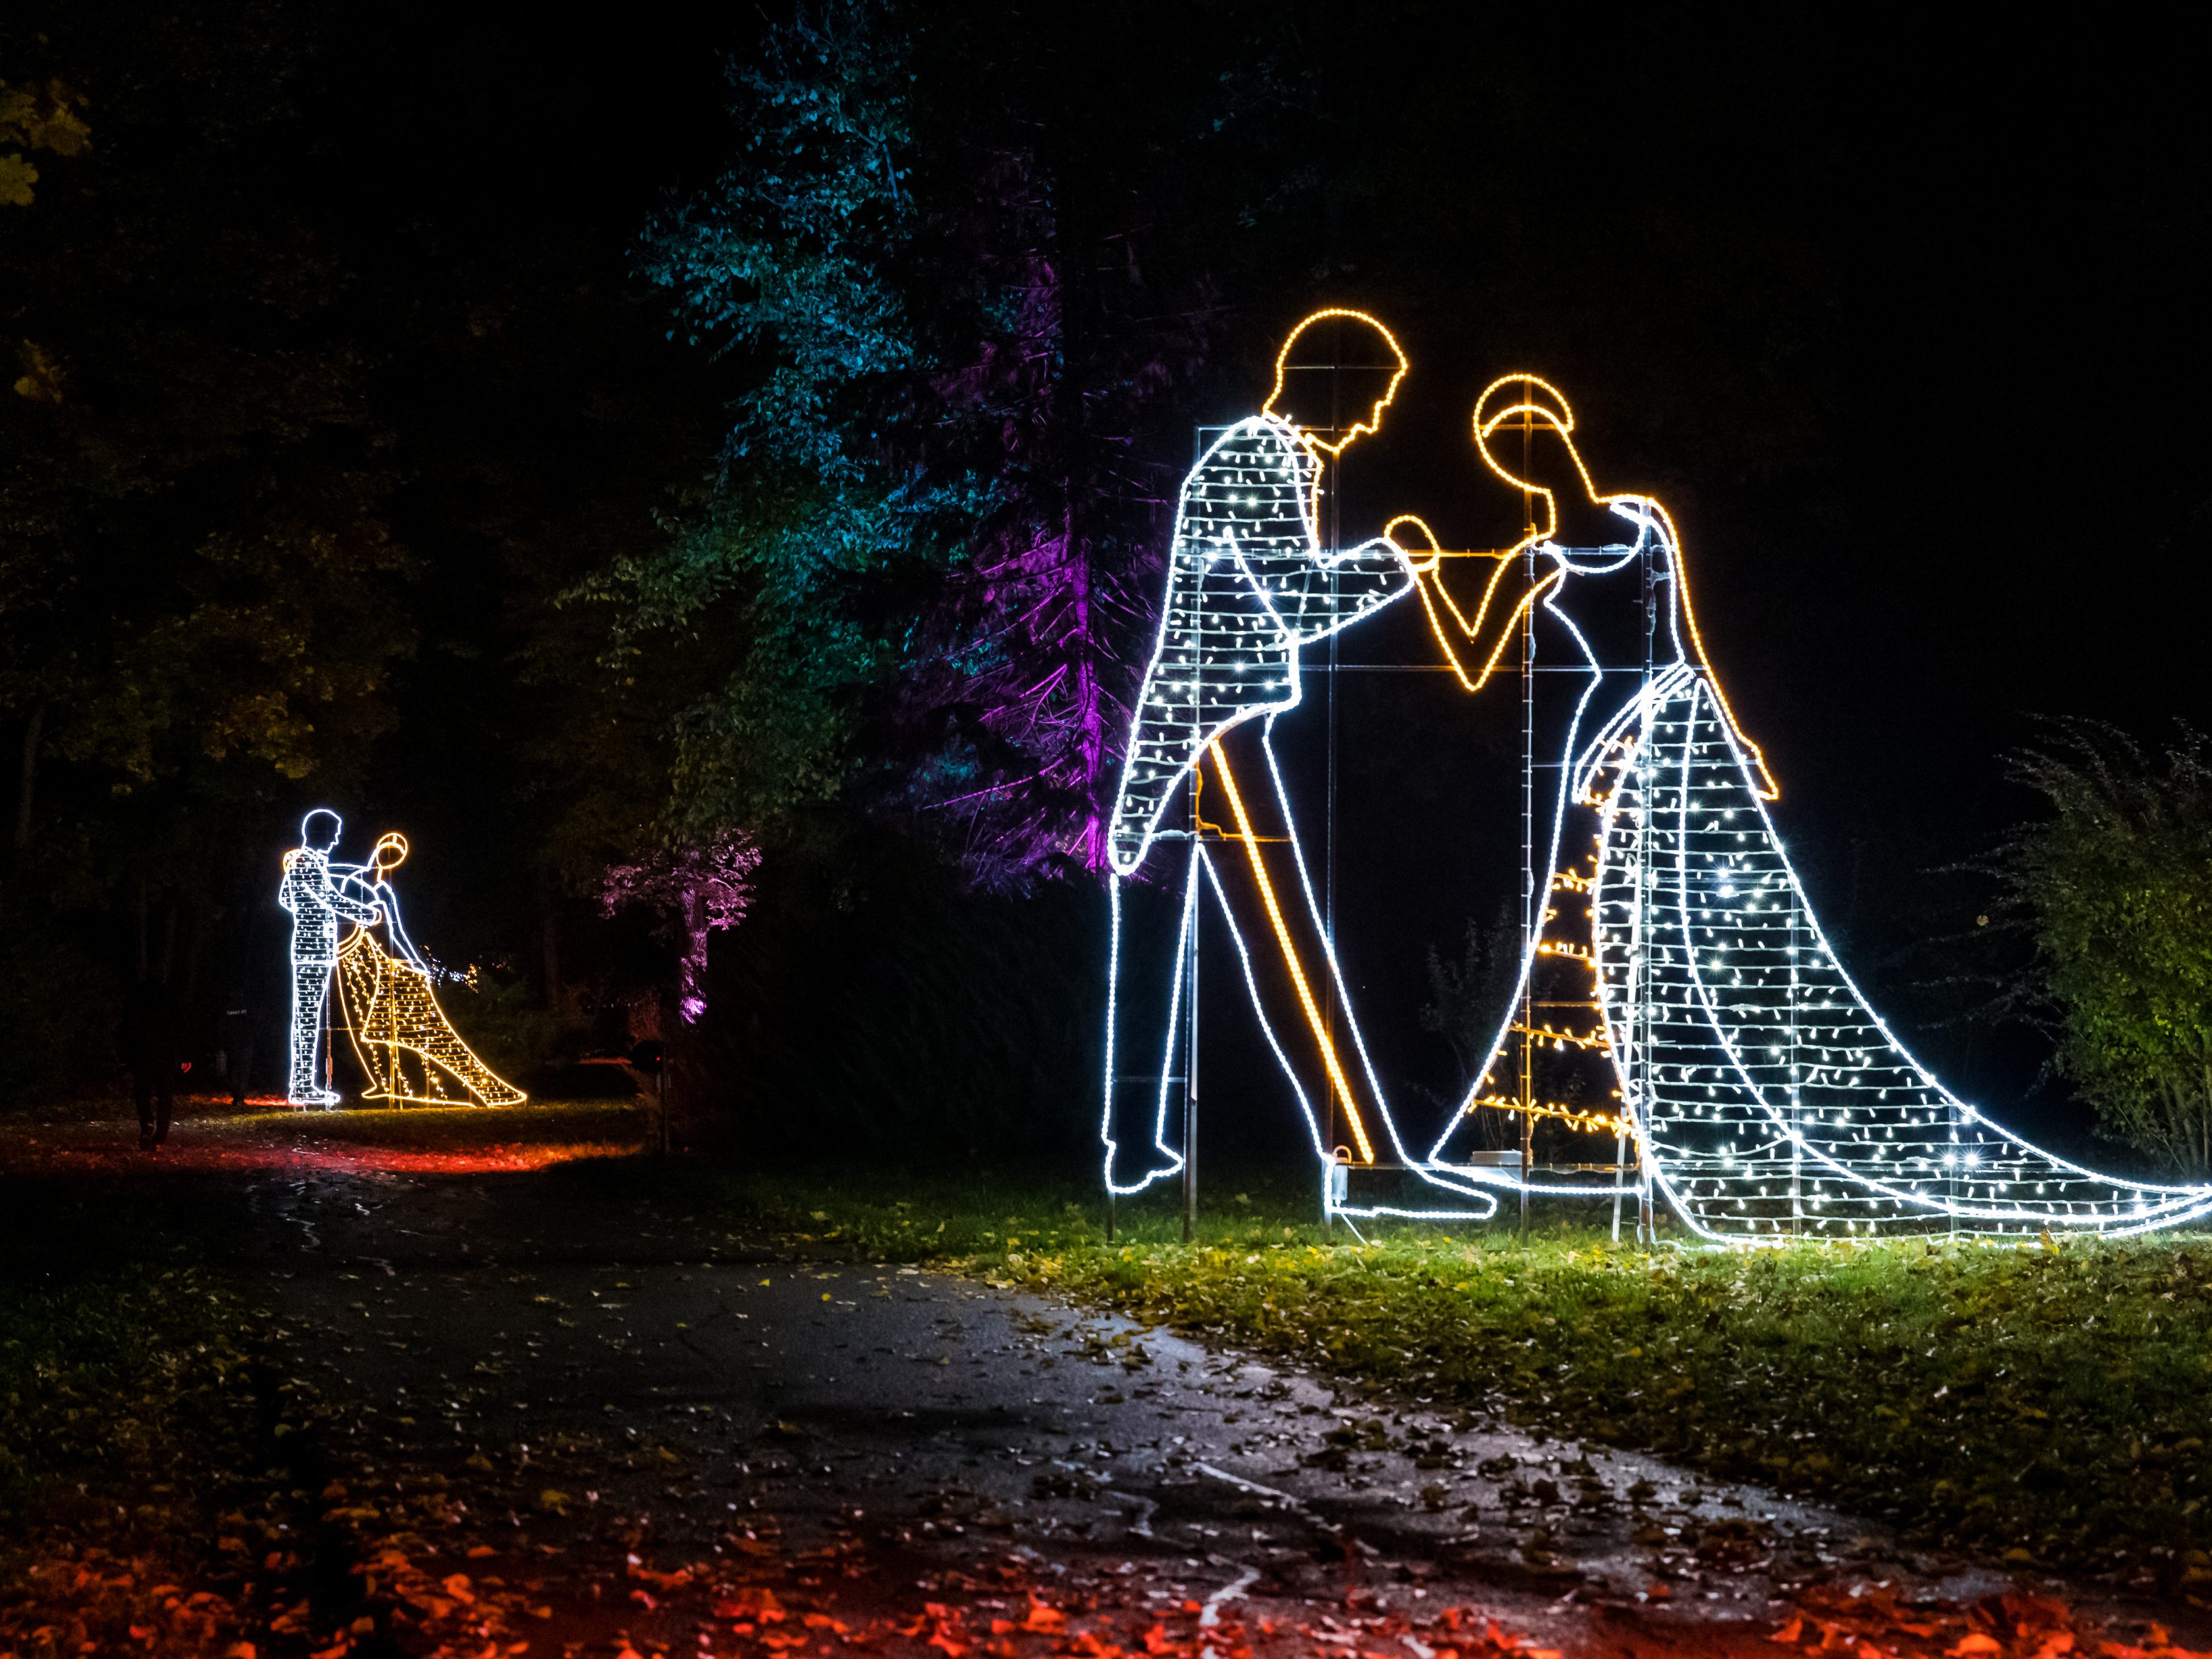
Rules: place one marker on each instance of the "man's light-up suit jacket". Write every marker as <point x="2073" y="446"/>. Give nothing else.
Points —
<point x="1248" y="584"/>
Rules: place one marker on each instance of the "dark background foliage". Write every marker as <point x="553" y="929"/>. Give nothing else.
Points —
<point x="382" y="447"/>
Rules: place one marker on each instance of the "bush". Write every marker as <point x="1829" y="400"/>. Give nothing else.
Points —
<point x="510" y="1031"/>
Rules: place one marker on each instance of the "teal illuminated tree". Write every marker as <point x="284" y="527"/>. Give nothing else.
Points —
<point x="937" y="497"/>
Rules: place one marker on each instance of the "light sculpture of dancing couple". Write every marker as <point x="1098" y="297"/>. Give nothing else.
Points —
<point x="399" y="1035"/>
<point x="1766" y="1100"/>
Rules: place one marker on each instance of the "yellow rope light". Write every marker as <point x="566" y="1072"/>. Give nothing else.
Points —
<point x="1576" y="1117"/>
<point x="1472" y="629"/>
<point x="1374" y="420"/>
<point x="391" y="1011"/>
<point x="1561" y="420"/>
<point x="1559" y="1039"/>
<point x="1290" y="956"/>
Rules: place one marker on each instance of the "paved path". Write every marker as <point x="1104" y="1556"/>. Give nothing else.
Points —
<point x="566" y="1406"/>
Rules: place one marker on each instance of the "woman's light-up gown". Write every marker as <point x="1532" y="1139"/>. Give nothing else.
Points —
<point x="401" y="1036"/>
<point x="1770" y="1100"/>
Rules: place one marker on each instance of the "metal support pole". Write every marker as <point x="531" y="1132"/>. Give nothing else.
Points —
<point x="1640" y="971"/>
<point x="1190" y="1037"/>
<point x="1333" y="501"/>
<point x="1797" y="1101"/>
<point x="1619" y="1167"/>
<point x="1531" y="910"/>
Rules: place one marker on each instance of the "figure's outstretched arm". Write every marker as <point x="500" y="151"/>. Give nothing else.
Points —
<point x="1318" y="595"/>
<point x="1472" y="645"/>
<point x="361" y="908"/>
<point x="395" y="930"/>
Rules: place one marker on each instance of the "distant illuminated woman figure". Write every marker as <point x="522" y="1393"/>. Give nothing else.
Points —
<point x="392" y="1008"/>
<point x="1770" y="1101"/>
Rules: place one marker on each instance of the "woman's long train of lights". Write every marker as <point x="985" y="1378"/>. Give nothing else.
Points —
<point x="1777" y="1103"/>
<point x="404" y="1044"/>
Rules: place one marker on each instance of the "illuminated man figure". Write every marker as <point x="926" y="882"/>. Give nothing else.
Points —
<point x="1249" y="583"/>
<point x="315" y="896"/>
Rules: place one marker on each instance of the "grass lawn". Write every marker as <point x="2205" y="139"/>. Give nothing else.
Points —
<point x="2049" y="1405"/>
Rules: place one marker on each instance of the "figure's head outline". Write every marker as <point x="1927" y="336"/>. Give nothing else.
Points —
<point x="1373" y="422"/>
<point x="390" y="841"/>
<point x="314" y="836"/>
<point x="1540" y="406"/>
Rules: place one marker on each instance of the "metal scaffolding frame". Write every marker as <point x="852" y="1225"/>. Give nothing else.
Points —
<point x="1334" y="1180"/>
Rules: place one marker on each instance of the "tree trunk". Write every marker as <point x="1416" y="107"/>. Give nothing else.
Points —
<point x="1090" y="718"/>
<point x="28" y="778"/>
<point x="2204" y="1146"/>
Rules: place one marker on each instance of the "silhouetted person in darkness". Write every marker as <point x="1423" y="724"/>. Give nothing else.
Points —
<point x="153" y="1049"/>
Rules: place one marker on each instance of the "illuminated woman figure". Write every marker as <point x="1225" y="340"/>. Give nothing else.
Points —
<point x="400" y="1035"/>
<point x="1249" y="583"/>
<point x="1768" y="1100"/>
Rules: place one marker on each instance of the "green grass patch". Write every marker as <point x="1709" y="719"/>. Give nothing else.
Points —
<point x="2046" y="1404"/>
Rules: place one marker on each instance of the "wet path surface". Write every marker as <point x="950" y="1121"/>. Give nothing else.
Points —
<point x="576" y="1410"/>
<point x="602" y="1373"/>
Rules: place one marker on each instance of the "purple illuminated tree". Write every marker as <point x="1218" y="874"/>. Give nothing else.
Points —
<point x="699" y="891"/>
<point x="1024" y="664"/>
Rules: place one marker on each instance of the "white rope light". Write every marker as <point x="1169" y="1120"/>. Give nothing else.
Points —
<point x="1248" y="584"/>
<point x="314" y="895"/>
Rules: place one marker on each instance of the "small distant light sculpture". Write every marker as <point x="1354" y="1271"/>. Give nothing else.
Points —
<point x="391" y="1009"/>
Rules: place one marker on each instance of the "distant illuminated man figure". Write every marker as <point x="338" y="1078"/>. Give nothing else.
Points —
<point x="317" y="903"/>
<point x="1249" y="583"/>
